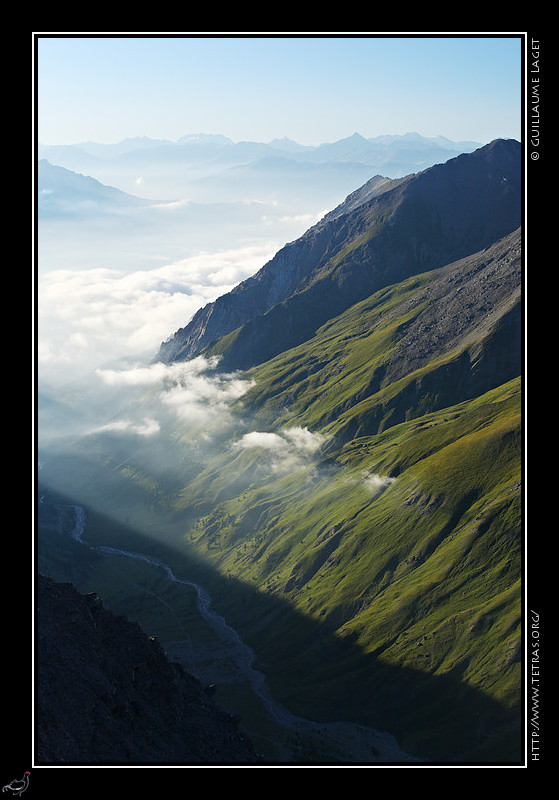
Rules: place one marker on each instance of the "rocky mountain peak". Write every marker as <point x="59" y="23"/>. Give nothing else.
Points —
<point x="386" y="231"/>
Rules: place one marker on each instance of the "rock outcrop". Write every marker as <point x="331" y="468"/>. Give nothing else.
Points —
<point x="108" y="694"/>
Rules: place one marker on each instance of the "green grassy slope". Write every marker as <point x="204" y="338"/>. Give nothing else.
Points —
<point x="400" y="541"/>
<point x="422" y="574"/>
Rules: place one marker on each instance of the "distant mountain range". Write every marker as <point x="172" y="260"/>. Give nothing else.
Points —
<point x="200" y="164"/>
<point x="61" y="192"/>
<point x="213" y="193"/>
<point x="200" y="147"/>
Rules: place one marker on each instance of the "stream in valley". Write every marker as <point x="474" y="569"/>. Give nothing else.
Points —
<point x="356" y="744"/>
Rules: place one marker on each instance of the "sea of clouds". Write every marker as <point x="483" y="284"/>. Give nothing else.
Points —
<point x="86" y="318"/>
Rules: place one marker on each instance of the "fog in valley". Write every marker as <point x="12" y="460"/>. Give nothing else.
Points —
<point x="132" y="240"/>
<point x="115" y="277"/>
<point x="306" y="557"/>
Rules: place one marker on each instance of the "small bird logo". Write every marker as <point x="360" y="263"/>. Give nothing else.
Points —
<point x="17" y="787"/>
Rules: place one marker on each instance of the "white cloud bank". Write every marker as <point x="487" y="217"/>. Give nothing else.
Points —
<point x="202" y="399"/>
<point x="86" y="318"/>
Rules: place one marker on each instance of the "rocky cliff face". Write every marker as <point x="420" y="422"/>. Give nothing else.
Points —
<point x="383" y="233"/>
<point x="274" y="283"/>
<point x="107" y="694"/>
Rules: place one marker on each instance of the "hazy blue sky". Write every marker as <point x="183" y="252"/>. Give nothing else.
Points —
<point x="310" y="88"/>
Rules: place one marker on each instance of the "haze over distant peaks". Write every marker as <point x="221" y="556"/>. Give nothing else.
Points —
<point x="62" y="192"/>
<point x="370" y="146"/>
<point x="198" y="166"/>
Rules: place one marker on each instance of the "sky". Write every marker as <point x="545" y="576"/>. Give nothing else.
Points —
<point x="310" y="88"/>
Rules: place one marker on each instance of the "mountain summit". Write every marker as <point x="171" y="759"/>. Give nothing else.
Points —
<point x="387" y="231"/>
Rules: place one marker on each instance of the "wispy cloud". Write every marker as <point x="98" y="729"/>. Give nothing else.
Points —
<point x="201" y="398"/>
<point x="151" y="374"/>
<point x="375" y="483"/>
<point x="306" y="219"/>
<point x="171" y="205"/>
<point x="288" y="450"/>
<point x="149" y="427"/>
<point x="192" y="391"/>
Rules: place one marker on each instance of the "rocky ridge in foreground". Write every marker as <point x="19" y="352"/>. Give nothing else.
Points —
<point x="107" y="693"/>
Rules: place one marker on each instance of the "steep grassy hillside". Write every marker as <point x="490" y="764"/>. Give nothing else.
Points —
<point x="419" y="572"/>
<point x="424" y="343"/>
<point x="363" y="515"/>
<point x="398" y="532"/>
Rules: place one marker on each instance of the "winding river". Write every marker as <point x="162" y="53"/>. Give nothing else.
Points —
<point x="366" y="744"/>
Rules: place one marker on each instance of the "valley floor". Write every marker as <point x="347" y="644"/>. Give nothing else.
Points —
<point x="217" y="656"/>
<point x="289" y="739"/>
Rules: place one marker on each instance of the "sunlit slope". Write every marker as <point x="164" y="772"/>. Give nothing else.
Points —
<point x="402" y="533"/>
<point x="421" y="572"/>
<point x="421" y="344"/>
<point x="353" y="503"/>
<point x="367" y="499"/>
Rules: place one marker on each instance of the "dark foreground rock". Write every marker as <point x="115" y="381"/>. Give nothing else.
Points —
<point x="108" y="694"/>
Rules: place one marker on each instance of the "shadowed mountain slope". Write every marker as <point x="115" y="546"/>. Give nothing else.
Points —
<point x="387" y="232"/>
<point x="430" y="341"/>
<point x="108" y="694"/>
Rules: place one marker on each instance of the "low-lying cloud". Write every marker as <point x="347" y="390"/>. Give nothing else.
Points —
<point x="203" y="399"/>
<point x="86" y="318"/>
<point x="286" y="451"/>
<point x="149" y="427"/>
<point x="195" y="394"/>
<point x="375" y="483"/>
